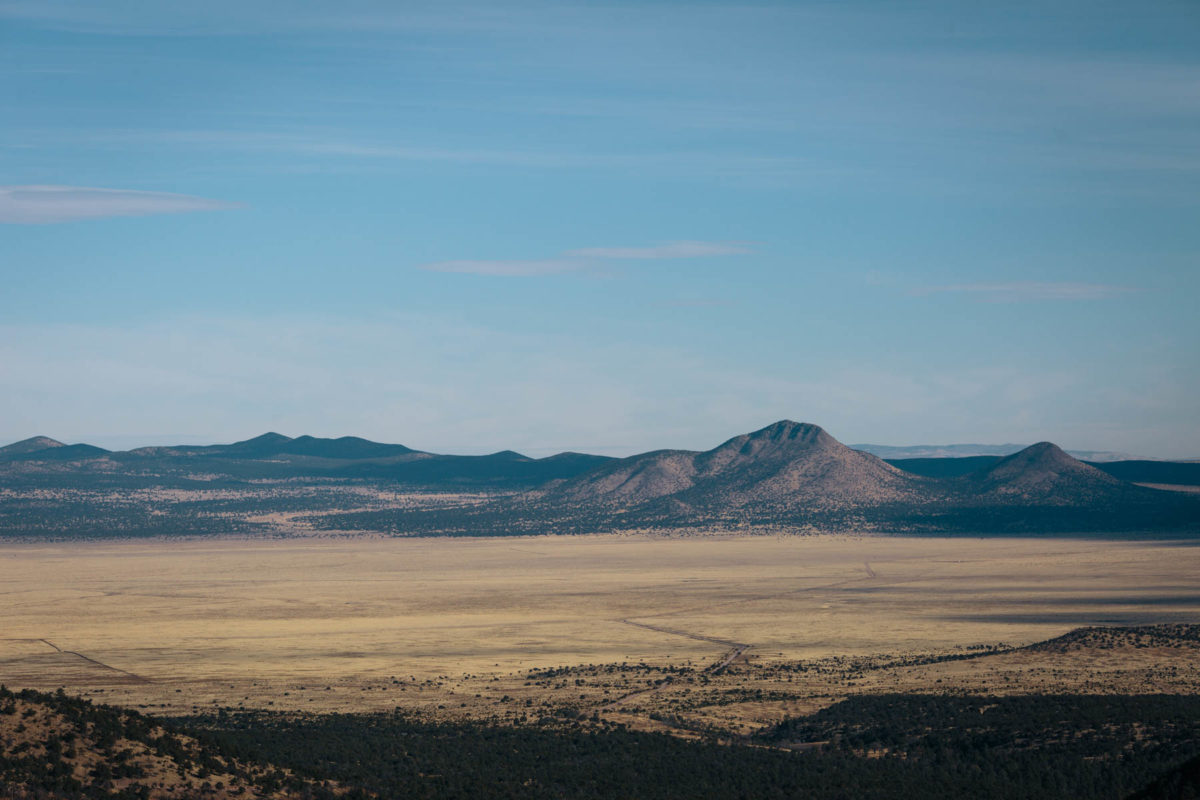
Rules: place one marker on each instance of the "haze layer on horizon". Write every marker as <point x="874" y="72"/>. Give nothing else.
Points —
<point x="608" y="229"/>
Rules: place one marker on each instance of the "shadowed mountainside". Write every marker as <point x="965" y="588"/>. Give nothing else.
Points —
<point x="276" y="444"/>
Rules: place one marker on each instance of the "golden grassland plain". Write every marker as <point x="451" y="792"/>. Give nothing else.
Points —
<point x="691" y="633"/>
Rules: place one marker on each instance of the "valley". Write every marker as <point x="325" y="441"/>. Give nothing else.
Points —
<point x="337" y="617"/>
<point x="715" y="632"/>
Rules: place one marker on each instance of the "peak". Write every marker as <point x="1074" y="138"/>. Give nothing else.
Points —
<point x="788" y="424"/>
<point x="1042" y="468"/>
<point x="1042" y="452"/>
<point x="786" y="429"/>
<point x="267" y="438"/>
<point x="1043" y="455"/>
<point x="31" y="445"/>
<point x="266" y="444"/>
<point x="509" y="455"/>
<point x="783" y="439"/>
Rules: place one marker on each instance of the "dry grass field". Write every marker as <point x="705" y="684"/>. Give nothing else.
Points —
<point x="471" y="626"/>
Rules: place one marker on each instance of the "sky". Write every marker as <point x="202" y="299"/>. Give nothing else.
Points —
<point x="601" y="227"/>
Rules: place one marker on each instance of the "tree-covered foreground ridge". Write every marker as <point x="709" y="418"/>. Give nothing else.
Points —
<point x="936" y="743"/>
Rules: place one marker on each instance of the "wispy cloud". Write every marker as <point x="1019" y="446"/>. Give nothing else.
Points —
<point x="48" y="204"/>
<point x="347" y="149"/>
<point x="1029" y="290"/>
<point x="276" y="17"/>
<point x="699" y="303"/>
<point x="668" y="250"/>
<point x="584" y="259"/>
<point x="508" y="269"/>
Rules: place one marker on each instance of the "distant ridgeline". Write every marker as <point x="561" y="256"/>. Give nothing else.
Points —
<point x="1175" y="473"/>
<point x="274" y="456"/>
<point x="788" y="474"/>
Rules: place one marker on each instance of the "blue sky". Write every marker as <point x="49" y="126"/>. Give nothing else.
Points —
<point x="601" y="227"/>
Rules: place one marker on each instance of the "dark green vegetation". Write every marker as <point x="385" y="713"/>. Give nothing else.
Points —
<point x="1173" y="635"/>
<point x="1184" y="473"/>
<point x="1034" y="746"/>
<point x="955" y="467"/>
<point x="899" y="746"/>
<point x="1181" y="783"/>
<point x="786" y="475"/>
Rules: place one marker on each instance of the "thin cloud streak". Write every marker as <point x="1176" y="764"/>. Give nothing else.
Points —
<point x="1030" y="290"/>
<point x="317" y="145"/>
<point x="583" y="260"/>
<point x="668" y="250"/>
<point x="505" y="269"/>
<point x="34" y="205"/>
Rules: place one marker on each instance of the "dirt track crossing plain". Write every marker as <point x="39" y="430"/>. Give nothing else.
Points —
<point x="359" y="624"/>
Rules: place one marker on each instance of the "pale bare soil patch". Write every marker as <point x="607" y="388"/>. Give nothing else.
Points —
<point x="699" y="632"/>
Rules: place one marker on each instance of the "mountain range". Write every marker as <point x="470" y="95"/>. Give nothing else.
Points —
<point x="788" y="473"/>
<point x="275" y="456"/>
<point x="796" y="473"/>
